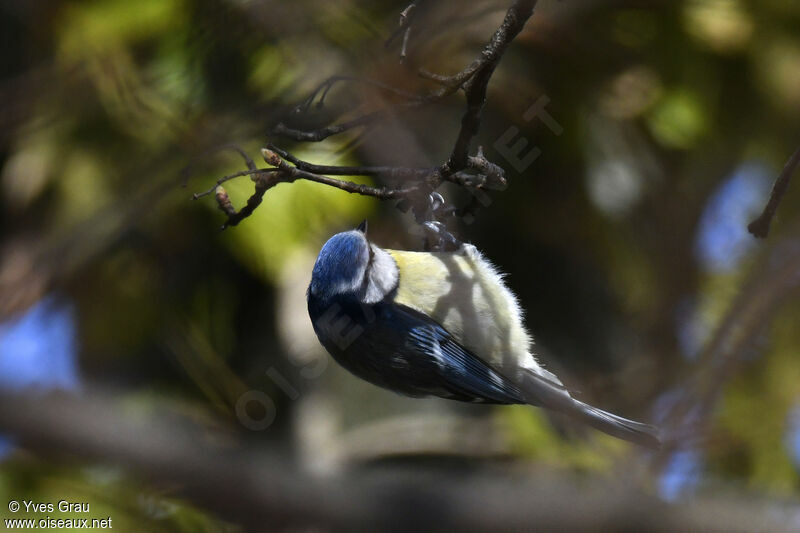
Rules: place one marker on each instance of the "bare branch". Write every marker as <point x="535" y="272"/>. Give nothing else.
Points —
<point x="760" y="226"/>
<point x="234" y="217"/>
<point x="257" y="487"/>
<point x="238" y="149"/>
<point x="480" y="173"/>
<point x="324" y="88"/>
<point x="404" y="27"/>
<point x="335" y="170"/>
<point x="481" y="72"/>
<point x="253" y="173"/>
<point x="323" y="133"/>
<point x="515" y="20"/>
<point x="265" y="179"/>
<point x="289" y="173"/>
<point x="472" y="173"/>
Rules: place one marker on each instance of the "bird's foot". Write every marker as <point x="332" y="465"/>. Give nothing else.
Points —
<point x="438" y="239"/>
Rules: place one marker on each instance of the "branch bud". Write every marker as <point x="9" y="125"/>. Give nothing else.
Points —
<point x="223" y="201"/>
<point x="271" y="157"/>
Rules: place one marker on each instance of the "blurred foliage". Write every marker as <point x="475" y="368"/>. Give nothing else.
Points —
<point x="131" y="506"/>
<point x="115" y="112"/>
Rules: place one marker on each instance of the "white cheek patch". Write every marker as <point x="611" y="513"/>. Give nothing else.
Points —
<point x="381" y="278"/>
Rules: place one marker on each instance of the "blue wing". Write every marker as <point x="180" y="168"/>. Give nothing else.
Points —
<point x="401" y="349"/>
<point x="398" y="348"/>
<point x="463" y="374"/>
<point x="406" y="351"/>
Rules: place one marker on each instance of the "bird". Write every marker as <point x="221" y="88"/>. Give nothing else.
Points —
<point x="439" y="323"/>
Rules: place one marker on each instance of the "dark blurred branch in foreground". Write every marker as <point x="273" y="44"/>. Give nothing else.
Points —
<point x="772" y="282"/>
<point x="760" y="226"/>
<point x="473" y="173"/>
<point x="261" y="491"/>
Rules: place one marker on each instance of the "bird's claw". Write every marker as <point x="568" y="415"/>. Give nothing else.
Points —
<point x="438" y="239"/>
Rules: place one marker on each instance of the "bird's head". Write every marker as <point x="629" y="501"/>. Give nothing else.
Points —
<point x="349" y="265"/>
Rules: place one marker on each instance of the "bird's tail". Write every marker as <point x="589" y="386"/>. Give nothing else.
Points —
<point x="543" y="388"/>
<point x="636" y="432"/>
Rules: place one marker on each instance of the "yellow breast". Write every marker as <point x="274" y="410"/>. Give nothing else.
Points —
<point x="465" y="294"/>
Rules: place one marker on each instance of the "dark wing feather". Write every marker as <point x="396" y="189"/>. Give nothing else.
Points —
<point x="461" y="372"/>
<point x="401" y="349"/>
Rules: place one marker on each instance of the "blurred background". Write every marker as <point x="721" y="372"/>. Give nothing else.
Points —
<point x="622" y="231"/>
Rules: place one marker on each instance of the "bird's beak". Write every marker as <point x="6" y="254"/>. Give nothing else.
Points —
<point x="363" y="227"/>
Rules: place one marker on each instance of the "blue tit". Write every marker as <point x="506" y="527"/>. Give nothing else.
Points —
<point x="437" y="324"/>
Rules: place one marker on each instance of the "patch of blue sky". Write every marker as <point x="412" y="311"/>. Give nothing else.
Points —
<point x="793" y="434"/>
<point x="684" y="469"/>
<point x="722" y="240"/>
<point x="680" y="475"/>
<point x="39" y="350"/>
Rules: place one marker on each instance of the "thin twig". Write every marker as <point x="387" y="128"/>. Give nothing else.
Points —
<point x="404" y="27"/>
<point x="238" y="149"/>
<point x="324" y="88"/>
<point x="254" y="173"/>
<point x="323" y="133"/>
<point x="515" y="19"/>
<point x="234" y="217"/>
<point x="336" y="170"/>
<point x="289" y="174"/>
<point x="404" y="47"/>
<point x="473" y="173"/>
<point x="760" y="226"/>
